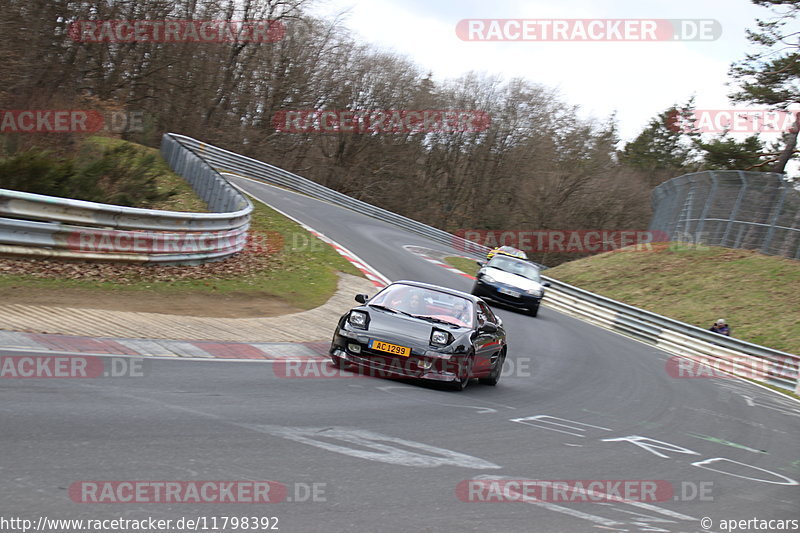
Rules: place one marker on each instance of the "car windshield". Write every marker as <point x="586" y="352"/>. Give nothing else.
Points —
<point x="425" y="303"/>
<point x="520" y="268"/>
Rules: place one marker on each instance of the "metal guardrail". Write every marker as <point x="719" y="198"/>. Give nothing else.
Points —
<point x="721" y="352"/>
<point x="34" y="225"/>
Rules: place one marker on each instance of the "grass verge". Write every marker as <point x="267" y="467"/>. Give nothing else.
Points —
<point x="468" y="266"/>
<point x="757" y="294"/>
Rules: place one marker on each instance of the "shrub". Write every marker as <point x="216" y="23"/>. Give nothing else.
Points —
<point x="120" y="174"/>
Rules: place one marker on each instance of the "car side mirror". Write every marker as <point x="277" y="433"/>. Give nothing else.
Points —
<point x="489" y="327"/>
<point x="546" y="284"/>
<point x="499" y="322"/>
<point x="362" y="298"/>
<point x="481" y="263"/>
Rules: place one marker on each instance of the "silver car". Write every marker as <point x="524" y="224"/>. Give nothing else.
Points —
<point x="510" y="281"/>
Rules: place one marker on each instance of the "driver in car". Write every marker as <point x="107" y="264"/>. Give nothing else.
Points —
<point x="414" y="303"/>
<point x="461" y="312"/>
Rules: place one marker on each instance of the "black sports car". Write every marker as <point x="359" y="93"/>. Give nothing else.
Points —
<point x="415" y="330"/>
<point x="510" y="281"/>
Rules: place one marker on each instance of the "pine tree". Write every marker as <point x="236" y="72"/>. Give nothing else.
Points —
<point x="771" y="75"/>
<point x="663" y="150"/>
<point x="726" y="153"/>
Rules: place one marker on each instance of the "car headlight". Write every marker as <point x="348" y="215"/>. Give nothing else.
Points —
<point x="486" y="278"/>
<point x="535" y="292"/>
<point x="440" y="338"/>
<point x="358" y="319"/>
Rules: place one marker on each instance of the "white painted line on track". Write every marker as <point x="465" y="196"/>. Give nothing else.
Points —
<point x="411" y="249"/>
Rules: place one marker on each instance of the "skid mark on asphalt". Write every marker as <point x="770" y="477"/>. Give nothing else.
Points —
<point x="478" y="408"/>
<point x="737" y="420"/>
<point x="365" y="444"/>
<point x="726" y="443"/>
<point x="755" y="396"/>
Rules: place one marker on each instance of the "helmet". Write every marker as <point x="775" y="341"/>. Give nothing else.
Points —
<point x="721" y="321"/>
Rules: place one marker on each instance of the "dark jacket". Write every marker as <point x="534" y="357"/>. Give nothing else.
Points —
<point x="721" y="329"/>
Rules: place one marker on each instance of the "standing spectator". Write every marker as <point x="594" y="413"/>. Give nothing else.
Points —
<point x="721" y="327"/>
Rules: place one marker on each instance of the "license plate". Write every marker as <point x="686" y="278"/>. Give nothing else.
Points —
<point x="405" y="351"/>
<point x="509" y="292"/>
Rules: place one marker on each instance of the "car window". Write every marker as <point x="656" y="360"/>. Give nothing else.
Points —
<point x="420" y="301"/>
<point x="520" y="268"/>
<point x="485" y="314"/>
<point x="490" y="314"/>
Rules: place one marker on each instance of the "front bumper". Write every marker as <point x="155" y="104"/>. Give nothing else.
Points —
<point x="421" y="364"/>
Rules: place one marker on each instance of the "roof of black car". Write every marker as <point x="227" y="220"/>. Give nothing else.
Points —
<point x="439" y="288"/>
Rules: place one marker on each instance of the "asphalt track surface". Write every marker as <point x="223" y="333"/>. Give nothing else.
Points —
<point x="575" y="403"/>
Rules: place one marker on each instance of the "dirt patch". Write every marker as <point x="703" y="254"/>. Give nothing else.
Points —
<point x="230" y="305"/>
<point x="242" y="264"/>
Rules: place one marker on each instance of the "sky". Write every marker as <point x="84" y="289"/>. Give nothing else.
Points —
<point x="637" y="80"/>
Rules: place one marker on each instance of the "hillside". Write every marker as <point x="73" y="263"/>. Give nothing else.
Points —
<point x="758" y="295"/>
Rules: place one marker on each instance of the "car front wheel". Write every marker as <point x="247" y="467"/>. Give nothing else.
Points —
<point x="496" y="372"/>
<point x="464" y="375"/>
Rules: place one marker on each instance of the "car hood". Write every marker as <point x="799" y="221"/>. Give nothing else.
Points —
<point x="512" y="279"/>
<point x="387" y="324"/>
